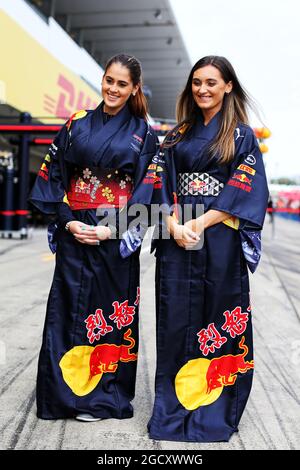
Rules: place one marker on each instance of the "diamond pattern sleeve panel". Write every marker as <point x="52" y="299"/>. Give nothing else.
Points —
<point x="198" y="183"/>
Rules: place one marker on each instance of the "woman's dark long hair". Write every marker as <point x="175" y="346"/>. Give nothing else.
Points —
<point x="234" y="109"/>
<point x="137" y="104"/>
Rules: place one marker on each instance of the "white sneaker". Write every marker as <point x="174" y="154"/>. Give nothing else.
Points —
<point x="86" y="417"/>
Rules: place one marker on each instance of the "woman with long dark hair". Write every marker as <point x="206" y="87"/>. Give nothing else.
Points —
<point x="215" y="179"/>
<point x="87" y="364"/>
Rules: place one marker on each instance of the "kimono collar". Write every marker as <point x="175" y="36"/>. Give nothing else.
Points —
<point x="114" y="122"/>
<point x="92" y="136"/>
<point x="106" y="117"/>
<point x="102" y="131"/>
<point x="209" y="130"/>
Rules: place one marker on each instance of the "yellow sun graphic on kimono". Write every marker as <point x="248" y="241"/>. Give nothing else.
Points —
<point x="83" y="366"/>
<point x="200" y="382"/>
<point x="75" y="366"/>
<point x="191" y="385"/>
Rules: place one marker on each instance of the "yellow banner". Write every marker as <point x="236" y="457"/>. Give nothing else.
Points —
<point x="32" y="80"/>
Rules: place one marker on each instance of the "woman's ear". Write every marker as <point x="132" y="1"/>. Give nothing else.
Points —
<point x="135" y="89"/>
<point x="228" y="88"/>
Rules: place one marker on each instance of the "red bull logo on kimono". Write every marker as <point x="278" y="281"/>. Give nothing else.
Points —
<point x="197" y="184"/>
<point x="152" y="178"/>
<point x="243" y="178"/>
<point x="83" y="366"/>
<point x="201" y="381"/>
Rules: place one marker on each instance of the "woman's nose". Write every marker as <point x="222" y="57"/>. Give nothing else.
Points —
<point x="202" y="89"/>
<point x="113" y="88"/>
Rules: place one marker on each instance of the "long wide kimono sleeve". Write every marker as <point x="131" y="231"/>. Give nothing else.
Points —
<point x="142" y="193"/>
<point x="158" y="184"/>
<point x="245" y="194"/>
<point x="144" y="181"/>
<point x="49" y="191"/>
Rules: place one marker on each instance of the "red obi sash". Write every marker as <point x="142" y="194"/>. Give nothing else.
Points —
<point x="92" y="187"/>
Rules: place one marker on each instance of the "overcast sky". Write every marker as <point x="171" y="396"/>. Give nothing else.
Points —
<point x="261" y="38"/>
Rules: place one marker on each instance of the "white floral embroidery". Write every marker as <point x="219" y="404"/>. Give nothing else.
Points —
<point x="128" y="178"/>
<point x="94" y="179"/>
<point x="95" y="188"/>
<point x="87" y="173"/>
<point x="122" y="184"/>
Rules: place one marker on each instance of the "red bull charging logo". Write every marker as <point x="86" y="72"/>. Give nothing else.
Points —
<point x="201" y="381"/>
<point x="197" y="184"/>
<point x="243" y="178"/>
<point x="83" y="366"/>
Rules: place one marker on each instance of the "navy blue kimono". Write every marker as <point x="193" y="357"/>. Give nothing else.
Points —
<point x="88" y="358"/>
<point x="204" y="333"/>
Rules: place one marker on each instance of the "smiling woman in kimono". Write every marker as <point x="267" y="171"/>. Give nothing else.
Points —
<point x="88" y="359"/>
<point x="204" y="333"/>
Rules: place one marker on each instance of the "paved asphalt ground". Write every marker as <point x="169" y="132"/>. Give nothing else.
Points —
<point x="272" y="417"/>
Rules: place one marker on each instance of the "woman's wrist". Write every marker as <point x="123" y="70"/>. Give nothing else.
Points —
<point x="212" y="217"/>
<point x="172" y="223"/>
<point x="201" y="223"/>
<point x="68" y="225"/>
